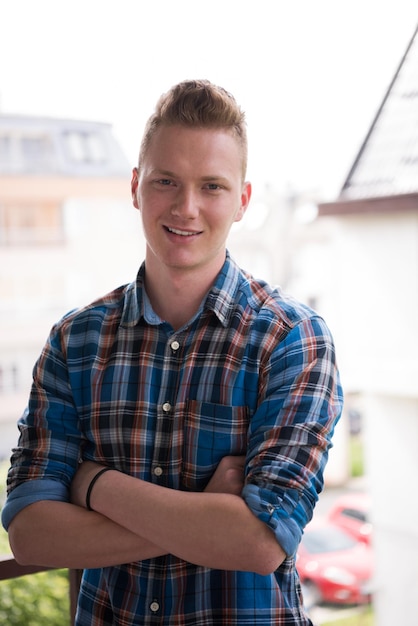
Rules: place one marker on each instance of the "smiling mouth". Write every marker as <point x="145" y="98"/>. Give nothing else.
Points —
<point x="183" y="233"/>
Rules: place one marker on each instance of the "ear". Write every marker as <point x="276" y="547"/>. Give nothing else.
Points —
<point x="245" y="201"/>
<point x="134" y="187"/>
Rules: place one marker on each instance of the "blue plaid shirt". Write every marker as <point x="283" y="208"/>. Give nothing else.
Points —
<point x="253" y="373"/>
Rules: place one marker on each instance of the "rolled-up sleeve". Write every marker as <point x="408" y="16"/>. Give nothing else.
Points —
<point x="29" y="493"/>
<point x="291" y="431"/>
<point x="46" y="456"/>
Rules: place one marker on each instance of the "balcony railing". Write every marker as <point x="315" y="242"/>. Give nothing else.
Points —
<point x="9" y="568"/>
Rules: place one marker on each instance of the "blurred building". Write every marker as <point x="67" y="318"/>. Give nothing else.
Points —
<point x="375" y="285"/>
<point x="68" y="233"/>
<point x="281" y="241"/>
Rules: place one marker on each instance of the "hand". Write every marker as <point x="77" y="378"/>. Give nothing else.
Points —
<point x="81" y="481"/>
<point x="228" y="476"/>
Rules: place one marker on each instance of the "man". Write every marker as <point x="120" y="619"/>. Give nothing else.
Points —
<point x="200" y="401"/>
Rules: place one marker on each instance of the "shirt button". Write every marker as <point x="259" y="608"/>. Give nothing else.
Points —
<point x="175" y="345"/>
<point x="166" y="407"/>
<point x="154" y="606"/>
<point x="158" y="471"/>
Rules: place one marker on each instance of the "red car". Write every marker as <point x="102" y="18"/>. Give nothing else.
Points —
<point x="333" y="567"/>
<point x="351" y="512"/>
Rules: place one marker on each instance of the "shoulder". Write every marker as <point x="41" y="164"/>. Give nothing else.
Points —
<point x="257" y="301"/>
<point x="102" y="316"/>
<point x="272" y="302"/>
<point x="280" y="323"/>
<point x="108" y="304"/>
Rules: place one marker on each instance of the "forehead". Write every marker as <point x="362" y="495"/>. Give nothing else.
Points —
<point x="198" y="146"/>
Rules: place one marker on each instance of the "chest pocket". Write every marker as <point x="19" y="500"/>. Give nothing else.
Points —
<point x="211" y="431"/>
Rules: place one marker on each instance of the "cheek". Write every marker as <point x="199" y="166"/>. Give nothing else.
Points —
<point x="148" y="215"/>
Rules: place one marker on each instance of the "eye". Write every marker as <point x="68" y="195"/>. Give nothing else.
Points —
<point x="165" y="182"/>
<point x="213" y="186"/>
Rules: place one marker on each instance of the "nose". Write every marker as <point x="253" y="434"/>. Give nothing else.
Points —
<point x="186" y="204"/>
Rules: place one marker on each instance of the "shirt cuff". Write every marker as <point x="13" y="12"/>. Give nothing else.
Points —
<point x="29" y="492"/>
<point x="276" y="511"/>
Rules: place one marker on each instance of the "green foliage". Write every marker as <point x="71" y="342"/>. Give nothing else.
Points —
<point x="38" y="599"/>
<point x="35" y="600"/>
<point x="363" y="618"/>
<point x="356" y="456"/>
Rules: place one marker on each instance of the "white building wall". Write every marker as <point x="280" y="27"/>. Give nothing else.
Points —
<point x="377" y="280"/>
<point x="373" y="305"/>
<point x="392" y="465"/>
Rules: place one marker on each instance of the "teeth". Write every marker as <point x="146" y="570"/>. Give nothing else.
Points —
<point x="185" y="233"/>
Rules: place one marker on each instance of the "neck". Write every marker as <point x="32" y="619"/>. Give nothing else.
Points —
<point x="176" y="296"/>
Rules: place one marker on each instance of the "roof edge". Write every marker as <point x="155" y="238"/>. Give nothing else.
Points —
<point x="378" y="113"/>
<point x="385" y="204"/>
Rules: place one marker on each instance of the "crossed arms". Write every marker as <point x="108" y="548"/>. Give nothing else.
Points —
<point x="135" y="520"/>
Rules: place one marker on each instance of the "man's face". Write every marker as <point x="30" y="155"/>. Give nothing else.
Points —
<point x="189" y="191"/>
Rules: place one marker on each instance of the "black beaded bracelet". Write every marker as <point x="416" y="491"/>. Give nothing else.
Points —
<point x="91" y="485"/>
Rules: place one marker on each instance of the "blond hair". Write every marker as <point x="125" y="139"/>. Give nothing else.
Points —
<point x="199" y="104"/>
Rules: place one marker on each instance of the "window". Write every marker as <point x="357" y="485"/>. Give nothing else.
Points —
<point x="5" y="149"/>
<point x="355" y="514"/>
<point x="85" y="147"/>
<point x="30" y="224"/>
<point x="36" y="152"/>
<point x="9" y="379"/>
<point x="25" y="152"/>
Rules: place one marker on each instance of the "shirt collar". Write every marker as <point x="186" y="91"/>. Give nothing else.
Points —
<point x="220" y="299"/>
<point x="133" y="308"/>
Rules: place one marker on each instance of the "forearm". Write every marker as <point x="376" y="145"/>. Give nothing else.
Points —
<point x="215" y="530"/>
<point x="58" y="534"/>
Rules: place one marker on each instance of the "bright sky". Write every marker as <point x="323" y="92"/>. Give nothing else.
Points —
<point x="309" y="73"/>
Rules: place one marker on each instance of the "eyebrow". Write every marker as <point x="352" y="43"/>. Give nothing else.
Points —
<point x="207" y="179"/>
<point x="214" y="178"/>
<point x="158" y="172"/>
